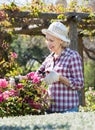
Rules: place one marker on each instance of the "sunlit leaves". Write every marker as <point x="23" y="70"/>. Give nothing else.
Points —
<point x="90" y="100"/>
<point x="61" y="16"/>
<point x="11" y="7"/>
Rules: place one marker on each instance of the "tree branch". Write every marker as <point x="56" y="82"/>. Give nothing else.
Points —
<point x="87" y="51"/>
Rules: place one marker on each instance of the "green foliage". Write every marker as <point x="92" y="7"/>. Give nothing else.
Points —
<point x="89" y="74"/>
<point x="90" y="100"/>
<point x="30" y="50"/>
<point x="7" y="63"/>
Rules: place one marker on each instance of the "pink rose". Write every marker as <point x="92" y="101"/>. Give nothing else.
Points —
<point x="30" y="75"/>
<point x="3" y="83"/>
<point x="14" y="55"/>
<point x="36" y="79"/>
<point x="6" y="95"/>
<point x="13" y="92"/>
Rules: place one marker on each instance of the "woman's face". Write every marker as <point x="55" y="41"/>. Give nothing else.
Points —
<point x="53" y="43"/>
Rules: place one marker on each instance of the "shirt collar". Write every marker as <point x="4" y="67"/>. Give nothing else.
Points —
<point x="63" y="53"/>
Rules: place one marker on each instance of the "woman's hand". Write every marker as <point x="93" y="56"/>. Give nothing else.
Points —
<point x="51" y="77"/>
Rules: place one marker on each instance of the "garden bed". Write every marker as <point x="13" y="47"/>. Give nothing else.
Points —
<point x="67" y="121"/>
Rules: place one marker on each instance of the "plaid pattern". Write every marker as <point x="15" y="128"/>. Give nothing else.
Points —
<point x="69" y="65"/>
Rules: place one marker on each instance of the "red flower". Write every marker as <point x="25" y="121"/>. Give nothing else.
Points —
<point x="19" y="86"/>
<point x="44" y="91"/>
<point x="35" y="105"/>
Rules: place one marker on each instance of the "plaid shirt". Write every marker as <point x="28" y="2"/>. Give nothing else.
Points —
<point x="69" y="65"/>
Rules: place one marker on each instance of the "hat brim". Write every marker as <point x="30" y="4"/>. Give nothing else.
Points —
<point x="45" y="31"/>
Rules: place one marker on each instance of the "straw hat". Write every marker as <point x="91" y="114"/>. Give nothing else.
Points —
<point x="58" y="30"/>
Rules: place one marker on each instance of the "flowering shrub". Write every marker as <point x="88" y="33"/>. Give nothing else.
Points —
<point x="8" y="62"/>
<point x="90" y="100"/>
<point x="24" y="97"/>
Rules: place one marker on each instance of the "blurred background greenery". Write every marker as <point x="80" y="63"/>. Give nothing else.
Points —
<point x="32" y="51"/>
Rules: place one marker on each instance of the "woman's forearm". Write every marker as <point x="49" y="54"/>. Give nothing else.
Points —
<point x="64" y="80"/>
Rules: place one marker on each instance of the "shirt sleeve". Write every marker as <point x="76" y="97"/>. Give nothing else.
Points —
<point x="41" y="70"/>
<point x="76" y="70"/>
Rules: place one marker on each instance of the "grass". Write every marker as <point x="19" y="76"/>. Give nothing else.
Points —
<point x="66" y="121"/>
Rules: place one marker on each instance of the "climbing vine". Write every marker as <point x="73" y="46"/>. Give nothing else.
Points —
<point x="40" y="15"/>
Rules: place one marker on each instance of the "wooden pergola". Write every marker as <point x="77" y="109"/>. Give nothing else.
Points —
<point x="24" y="23"/>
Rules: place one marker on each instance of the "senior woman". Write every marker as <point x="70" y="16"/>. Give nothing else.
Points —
<point x="63" y="67"/>
<point x="63" y="70"/>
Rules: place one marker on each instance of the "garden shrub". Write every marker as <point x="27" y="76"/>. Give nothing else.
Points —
<point x="90" y="100"/>
<point x="24" y="97"/>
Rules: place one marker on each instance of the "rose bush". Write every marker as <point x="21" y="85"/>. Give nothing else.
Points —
<point x="24" y="97"/>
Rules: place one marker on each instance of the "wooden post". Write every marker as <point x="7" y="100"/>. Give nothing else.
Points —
<point x="73" y="35"/>
<point x="80" y="50"/>
<point x="76" y="44"/>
